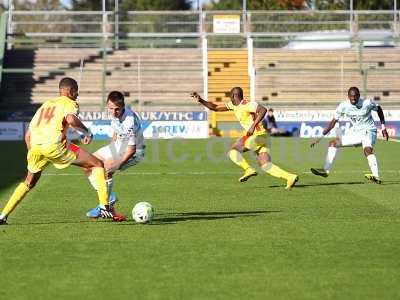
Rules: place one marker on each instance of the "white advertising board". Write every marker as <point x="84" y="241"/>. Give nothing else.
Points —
<point x="11" y="131"/>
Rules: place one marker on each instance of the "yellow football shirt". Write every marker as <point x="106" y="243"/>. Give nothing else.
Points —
<point x="245" y="112"/>
<point x="48" y="125"/>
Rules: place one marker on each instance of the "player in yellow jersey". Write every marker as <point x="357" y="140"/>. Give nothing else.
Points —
<point x="47" y="143"/>
<point x="249" y="115"/>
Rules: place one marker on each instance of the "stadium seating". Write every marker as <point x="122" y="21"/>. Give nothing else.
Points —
<point x="165" y="77"/>
<point x="227" y="69"/>
<point x="156" y="76"/>
<point x="318" y="77"/>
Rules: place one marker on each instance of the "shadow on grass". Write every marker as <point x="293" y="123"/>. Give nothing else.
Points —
<point x="330" y="184"/>
<point x="164" y="219"/>
<point x="389" y="182"/>
<point x="174" y="218"/>
<point x="282" y="186"/>
<point x="346" y="183"/>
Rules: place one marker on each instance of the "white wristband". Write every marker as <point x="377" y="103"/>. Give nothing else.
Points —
<point x="383" y="126"/>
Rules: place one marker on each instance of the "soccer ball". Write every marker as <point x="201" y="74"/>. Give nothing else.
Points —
<point x="143" y="212"/>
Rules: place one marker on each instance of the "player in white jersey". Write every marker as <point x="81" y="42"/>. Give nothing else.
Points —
<point x="127" y="146"/>
<point x="362" y="133"/>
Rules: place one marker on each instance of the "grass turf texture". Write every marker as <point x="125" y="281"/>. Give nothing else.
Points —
<point x="212" y="238"/>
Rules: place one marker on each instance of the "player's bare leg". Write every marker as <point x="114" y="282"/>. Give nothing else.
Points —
<point x="235" y="154"/>
<point x="329" y="159"/>
<point x="264" y="160"/>
<point x="19" y="193"/>
<point x="373" y="165"/>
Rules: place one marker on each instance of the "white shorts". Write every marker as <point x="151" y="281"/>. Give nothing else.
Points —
<point x="365" y="138"/>
<point x="115" y="152"/>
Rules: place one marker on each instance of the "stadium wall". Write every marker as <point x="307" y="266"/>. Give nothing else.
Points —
<point x="310" y="123"/>
<point x="156" y="124"/>
<point x="194" y="125"/>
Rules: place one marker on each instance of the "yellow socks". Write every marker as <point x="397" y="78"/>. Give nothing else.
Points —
<point x="269" y="167"/>
<point x="238" y="159"/>
<point x="100" y="182"/>
<point x="275" y="171"/>
<point x="16" y="197"/>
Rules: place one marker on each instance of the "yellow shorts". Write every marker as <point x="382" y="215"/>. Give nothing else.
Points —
<point x="255" y="142"/>
<point x="61" y="156"/>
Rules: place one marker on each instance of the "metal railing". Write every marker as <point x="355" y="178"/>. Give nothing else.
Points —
<point x="110" y="30"/>
<point x="110" y="24"/>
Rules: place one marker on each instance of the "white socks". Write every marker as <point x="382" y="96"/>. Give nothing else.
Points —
<point x="109" y="183"/>
<point x="330" y="157"/>
<point x="92" y="181"/>
<point x="373" y="165"/>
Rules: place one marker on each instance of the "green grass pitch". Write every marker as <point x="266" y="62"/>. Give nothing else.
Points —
<point x="212" y="237"/>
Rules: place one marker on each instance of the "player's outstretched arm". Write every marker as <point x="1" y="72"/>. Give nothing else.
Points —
<point x="382" y="119"/>
<point x="209" y="105"/>
<point x="77" y="124"/>
<point x="260" y="114"/>
<point x="326" y="130"/>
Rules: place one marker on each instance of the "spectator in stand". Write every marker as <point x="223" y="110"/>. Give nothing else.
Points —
<point x="272" y="127"/>
<point x="270" y="121"/>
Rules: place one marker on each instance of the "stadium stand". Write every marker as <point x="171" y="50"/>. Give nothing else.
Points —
<point x="383" y="80"/>
<point x="156" y="76"/>
<point x="318" y="77"/>
<point x="165" y="77"/>
<point x="226" y="69"/>
<point x="388" y="58"/>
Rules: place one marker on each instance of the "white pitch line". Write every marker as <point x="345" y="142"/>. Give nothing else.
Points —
<point x="212" y="173"/>
<point x="151" y="173"/>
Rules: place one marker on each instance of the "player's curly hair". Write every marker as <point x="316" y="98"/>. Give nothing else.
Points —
<point x="354" y="89"/>
<point x="117" y="98"/>
<point x="68" y="83"/>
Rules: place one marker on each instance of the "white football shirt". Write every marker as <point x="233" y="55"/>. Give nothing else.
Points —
<point x="128" y="129"/>
<point x="359" y="114"/>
